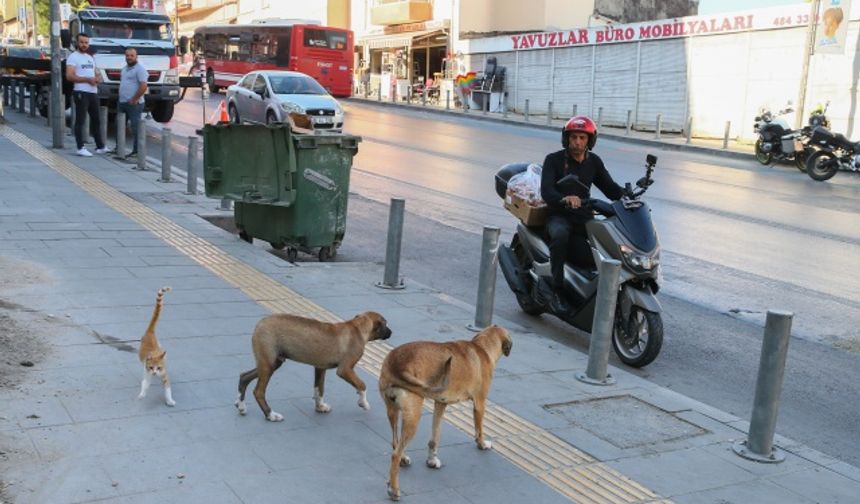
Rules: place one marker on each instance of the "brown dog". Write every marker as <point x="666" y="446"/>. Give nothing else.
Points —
<point x="323" y="345"/>
<point x="445" y="372"/>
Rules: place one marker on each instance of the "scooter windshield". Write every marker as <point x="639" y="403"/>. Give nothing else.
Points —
<point x="636" y="225"/>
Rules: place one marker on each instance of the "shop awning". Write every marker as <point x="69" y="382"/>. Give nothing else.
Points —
<point x="395" y="40"/>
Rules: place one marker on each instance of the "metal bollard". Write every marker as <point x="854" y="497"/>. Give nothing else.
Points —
<point x="629" y="122"/>
<point x="226" y="204"/>
<point x="5" y="94"/>
<point x="366" y="90"/>
<point x="574" y="110"/>
<point x="526" y="111"/>
<point x="32" y="100"/>
<point x="726" y="136"/>
<point x="601" y="332"/>
<point x="771" y="370"/>
<point x="391" y="278"/>
<point x="485" y="104"/>
<point x="600" y="117"/>
<point x="120" y="134"/>
<point x="74" y="116"/>
<point x="141" y="145"/>
<point x="394" y="95"/>
<point x="505" y="106"/>
<point x="448" y="99"/>
<point x="659" y="126"/>
<point x="424" y="98"/>
<point x="549" y="113"/>
<point x="103" y="125"/>
<point x="689" y="129"/>
<point x="486" y="280"/>
<point x="166" y="139"/>
<point x="22" y="97"/>
<point x="379" y="92"/>
<point x="191" y="166"/>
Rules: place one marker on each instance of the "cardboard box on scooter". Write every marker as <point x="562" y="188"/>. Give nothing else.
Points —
<point x="530" y="215"/>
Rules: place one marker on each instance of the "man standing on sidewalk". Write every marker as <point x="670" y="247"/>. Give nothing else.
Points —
<point x="132" y="87"/>
<point x="81" y="69"/>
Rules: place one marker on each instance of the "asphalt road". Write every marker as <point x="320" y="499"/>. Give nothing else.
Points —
<point x="738" y="239"/>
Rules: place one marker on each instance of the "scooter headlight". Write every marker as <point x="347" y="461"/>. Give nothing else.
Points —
<point x="640" y="261"/>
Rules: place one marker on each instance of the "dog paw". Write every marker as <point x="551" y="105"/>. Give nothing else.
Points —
<point x="405" y="461"/>
<point x="363" y="404"/>
<point x="322" y="407"/>
<point x="170" y="402"/>
<point x="393" y="494"/>
<point x="240" y="405"/>
<point x="274" y="417"/>
<point x="485" y="445"/>
<point x="141" y="395"/>
<point x="434" y="462"/>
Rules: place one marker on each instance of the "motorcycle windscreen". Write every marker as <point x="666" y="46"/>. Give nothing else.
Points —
<point x="636" y="225"/>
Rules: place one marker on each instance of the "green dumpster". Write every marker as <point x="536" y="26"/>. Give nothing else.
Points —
<point x="290" y="190"/>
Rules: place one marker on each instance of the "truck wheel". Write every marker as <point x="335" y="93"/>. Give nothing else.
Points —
<point x="163" y="111"/>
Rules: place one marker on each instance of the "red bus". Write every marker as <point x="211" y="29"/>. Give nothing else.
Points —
<point x="227" y="52"/>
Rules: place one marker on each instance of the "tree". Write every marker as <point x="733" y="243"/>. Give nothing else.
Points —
<point x="43" y="13"/>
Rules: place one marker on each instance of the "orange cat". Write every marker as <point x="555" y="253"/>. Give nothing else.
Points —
<point x="152" y="355"/>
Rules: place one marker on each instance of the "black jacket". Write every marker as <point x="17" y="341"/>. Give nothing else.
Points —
<point x="591" y="170"/>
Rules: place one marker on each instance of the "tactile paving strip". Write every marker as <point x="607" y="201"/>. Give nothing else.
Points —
<point x="569" y="471"/>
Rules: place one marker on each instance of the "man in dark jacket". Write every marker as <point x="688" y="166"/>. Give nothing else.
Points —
<point x="567" y="218"/>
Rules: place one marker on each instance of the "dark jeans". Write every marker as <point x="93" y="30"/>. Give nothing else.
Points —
<point x="132" y="113"/>
<point x="87" y="103"/>
<point x="568" y="241"/>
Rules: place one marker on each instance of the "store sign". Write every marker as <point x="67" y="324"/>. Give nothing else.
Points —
<point x="416" y="27"/>
<point x="691" y="26"/>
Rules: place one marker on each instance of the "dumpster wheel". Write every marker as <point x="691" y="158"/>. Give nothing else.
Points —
<point x="327" y="253"/>
<point x="245" y="236"/>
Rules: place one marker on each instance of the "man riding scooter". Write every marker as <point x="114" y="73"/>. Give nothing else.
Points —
<point x="567" y="218"/>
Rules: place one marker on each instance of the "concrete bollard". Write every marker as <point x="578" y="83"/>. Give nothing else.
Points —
<point x="726" y="136"/>
<point x="604" y="319"/>
<point x="549" y="113"/>
<point x="166" y="139"/>
<point x="120" y="134"/>
<point x="629" y="123"/>
<point x="486" y="279"/>
<point x="526" y="111"/>
<point x="600" y="117"/>
<point x="659" y="127"/>
<point x="32" y="100"/>
<point x="771" y="370"/>
<point x="191" y="166"/>
<point x="141" y="145"/>
<point x="103" y="124"/>
<point x="688" y="129"/>
<point x="391" y="278"/>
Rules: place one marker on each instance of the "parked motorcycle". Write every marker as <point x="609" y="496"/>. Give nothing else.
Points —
<point x="777" y="141"/>
<point x="623" y="230"/>
<point x="835" y="153"/>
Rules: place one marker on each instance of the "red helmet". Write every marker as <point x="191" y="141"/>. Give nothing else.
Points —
<point x="580" y="123"/>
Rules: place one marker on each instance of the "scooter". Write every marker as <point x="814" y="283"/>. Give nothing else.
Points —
<point x="623" y="230"/>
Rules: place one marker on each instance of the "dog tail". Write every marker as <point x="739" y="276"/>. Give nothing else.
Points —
<point x="441" y="380"/>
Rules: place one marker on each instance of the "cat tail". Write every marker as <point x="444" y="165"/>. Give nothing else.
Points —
<point x="159" y="301"/>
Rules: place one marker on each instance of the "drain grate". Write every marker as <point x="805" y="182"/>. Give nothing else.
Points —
<point x="605" y="418"/>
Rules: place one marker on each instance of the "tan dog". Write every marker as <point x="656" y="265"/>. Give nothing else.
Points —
<point x="445" y="372"/>
<point x="323" y="345"/>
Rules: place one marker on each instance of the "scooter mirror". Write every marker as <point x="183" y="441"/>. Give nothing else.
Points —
<point x="651" y="159"/>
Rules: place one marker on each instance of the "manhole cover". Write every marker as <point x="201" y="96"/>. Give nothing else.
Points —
<point x="158" y="197"/>
<point x="626" y="421"/>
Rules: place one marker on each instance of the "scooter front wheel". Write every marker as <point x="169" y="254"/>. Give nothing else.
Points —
<point x="638" y="339"/>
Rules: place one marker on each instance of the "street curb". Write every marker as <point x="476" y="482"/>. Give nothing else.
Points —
<point x="478" y="116"/>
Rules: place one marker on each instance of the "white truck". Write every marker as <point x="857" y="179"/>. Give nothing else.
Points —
<point x="112" y="30"/>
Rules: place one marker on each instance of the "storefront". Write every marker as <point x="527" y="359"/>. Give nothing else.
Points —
<point x="403" y="57"/>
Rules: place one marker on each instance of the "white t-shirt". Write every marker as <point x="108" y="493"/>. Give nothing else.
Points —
<point x="85" y="66"/>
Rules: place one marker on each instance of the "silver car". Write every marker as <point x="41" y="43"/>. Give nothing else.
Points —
<point x="268" y="96"/>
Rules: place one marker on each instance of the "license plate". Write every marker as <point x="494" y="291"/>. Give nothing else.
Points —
<point x="322" y="120"/>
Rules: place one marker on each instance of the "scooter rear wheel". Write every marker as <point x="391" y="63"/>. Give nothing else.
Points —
<point x="638" y="339"/>
<point x="527" y="303"/>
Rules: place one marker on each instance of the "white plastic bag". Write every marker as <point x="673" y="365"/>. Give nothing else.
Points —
<point x="526" y="185"/>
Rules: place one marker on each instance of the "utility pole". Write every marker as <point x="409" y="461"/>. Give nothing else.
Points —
<point x="58" y="108"/>
<point x="807" y="56"/>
